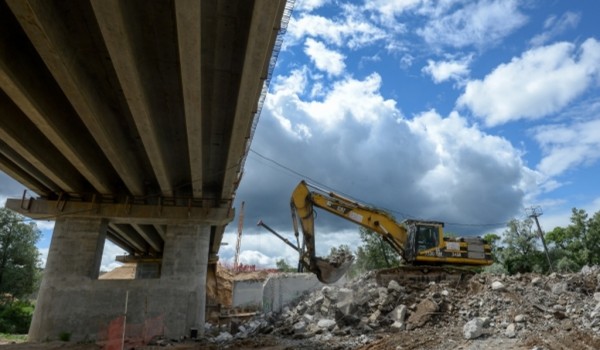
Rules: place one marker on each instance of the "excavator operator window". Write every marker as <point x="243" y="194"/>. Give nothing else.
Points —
<point x="427" y="237"/>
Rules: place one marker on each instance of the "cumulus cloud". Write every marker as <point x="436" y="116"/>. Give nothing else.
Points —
<point x="540" y="82"/>
<point x="430" y="166"/>
<point x="566" y="146"/>
<point x="327" y="60"/>
<point x="351" y="30"/>
<point x="441" y="71"/>
<point x="479" y="24"/>
<point x="308" y="5"/>
<point x="554" y="27"/>
<point x="389" y="9"/>
<point x="108" y="262"/>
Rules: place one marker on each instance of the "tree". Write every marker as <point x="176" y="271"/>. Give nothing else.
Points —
<point x="520" y="253"/>
<point x="18" y="254"/>
<point x="578" y="243"/>
<point x="493" y="240"/>
<point x="283" y="266"/>
<point x="375" y="253"/>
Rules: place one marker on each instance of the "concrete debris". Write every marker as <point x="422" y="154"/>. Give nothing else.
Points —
<point x="473" y="329"/>
<point x="497" y="285"/>
<point x="510" y="308"/>
<point x="511" y="330"/>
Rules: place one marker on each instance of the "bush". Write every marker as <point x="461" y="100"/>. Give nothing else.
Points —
<point x="15" y="315"/>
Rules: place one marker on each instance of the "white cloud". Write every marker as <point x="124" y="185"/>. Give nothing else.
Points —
<point x="567" y="146"/>
<point x="540" y="82"/>
<point x="43" y="257"/>
<point x="554" y="27"/>
<point x="45" y="225"/>
<point x="342" y="102"/>
<point x="324" y="59"/>
<point x="480" y="24"/>
<point x="466" y="162"/>
<point x="108" y="256"/>
<point x="339" y="103"/>
<point x="308" y="5"/>
<point x="352" y="31"/>
<point x="441" y="71"/>
<point x="429" y="166"/>
<point x="389" y="9"/>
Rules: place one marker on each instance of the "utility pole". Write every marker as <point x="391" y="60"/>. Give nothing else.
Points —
<point x="534" y="212"/>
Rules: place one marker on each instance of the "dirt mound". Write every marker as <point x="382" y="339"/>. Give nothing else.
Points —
<point x="125" y="272"/>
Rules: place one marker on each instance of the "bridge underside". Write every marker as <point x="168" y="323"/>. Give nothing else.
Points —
<point x="131" y="121"/>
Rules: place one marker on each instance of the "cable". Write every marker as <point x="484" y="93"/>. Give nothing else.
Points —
<point x="404" y="215"/>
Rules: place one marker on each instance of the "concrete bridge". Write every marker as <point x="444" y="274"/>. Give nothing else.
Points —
<point x="130" y="121"/>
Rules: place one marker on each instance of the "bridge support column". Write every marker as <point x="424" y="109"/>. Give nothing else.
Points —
<point x="72" y="300"/>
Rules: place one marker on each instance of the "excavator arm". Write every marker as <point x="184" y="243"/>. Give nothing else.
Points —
<point x="306" y="197"/>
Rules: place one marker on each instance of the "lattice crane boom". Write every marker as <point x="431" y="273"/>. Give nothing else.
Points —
<point x="238" y="244"/>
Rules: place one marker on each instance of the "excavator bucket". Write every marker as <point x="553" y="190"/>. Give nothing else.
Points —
<point x="331" y="270"/>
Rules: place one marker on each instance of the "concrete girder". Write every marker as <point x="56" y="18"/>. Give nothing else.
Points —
<point x="150" y="236"/>
<point x="189" y="36"/>
<point x="129" y="235"/>
<point x="24" y="138"/>
<point x="19" y="163"/>
<point x="257" y="55"/>
<point x="36" y="94"/>
<point x="120" y="35"/>
<point x="160" y="229"/>
<point x="118" y="241"/>
<point x="44" y="28"/>
<point x="23" y="176"/>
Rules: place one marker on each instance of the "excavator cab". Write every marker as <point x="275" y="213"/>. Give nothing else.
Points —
<point x="427" y="237"/>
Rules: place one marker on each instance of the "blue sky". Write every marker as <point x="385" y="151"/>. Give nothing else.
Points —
<point x="462" y="111"/>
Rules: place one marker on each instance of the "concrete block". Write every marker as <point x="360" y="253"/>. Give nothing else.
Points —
<point x="247" y="294"/>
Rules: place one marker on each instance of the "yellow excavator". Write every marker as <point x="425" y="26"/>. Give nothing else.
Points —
<point x="420" y="243"/>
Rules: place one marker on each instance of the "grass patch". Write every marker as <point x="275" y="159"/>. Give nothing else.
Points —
<point x="10" y="338"/>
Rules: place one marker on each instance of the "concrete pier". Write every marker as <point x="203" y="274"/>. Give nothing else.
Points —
<point x="73" y="301"/>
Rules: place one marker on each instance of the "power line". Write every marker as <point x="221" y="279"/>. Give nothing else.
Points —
<point x="404" y="215"/>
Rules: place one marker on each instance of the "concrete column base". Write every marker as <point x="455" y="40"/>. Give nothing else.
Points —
<point x="73" y="301"/>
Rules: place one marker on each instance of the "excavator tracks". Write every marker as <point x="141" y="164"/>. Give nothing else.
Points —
<point x="422" y="274"/>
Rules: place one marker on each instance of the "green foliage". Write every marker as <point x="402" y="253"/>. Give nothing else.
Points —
<point x="570" y="248"/>
<point x="64" y="336"/>
<point x="565" y="265"/>
<point x="375" y="253"/>
<point x="283" y="266"/>
<point x="495" y="269"/>
<point x="15" y="315"/>
<point x="520" y="253"/>
<point x="343" y="249"/>
<point x="13" y="338"/>
<point x="494" y="240"/>
<point x="578" y="243"/>
<point x="18" y="254"/>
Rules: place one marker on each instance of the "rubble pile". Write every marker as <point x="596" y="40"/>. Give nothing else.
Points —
<point x="508" y="307"/>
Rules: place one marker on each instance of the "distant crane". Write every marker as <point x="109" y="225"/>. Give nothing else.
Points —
<point x="236" y="260"/>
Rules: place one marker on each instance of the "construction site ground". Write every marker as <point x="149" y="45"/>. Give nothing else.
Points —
<point x="529" y="311"/>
